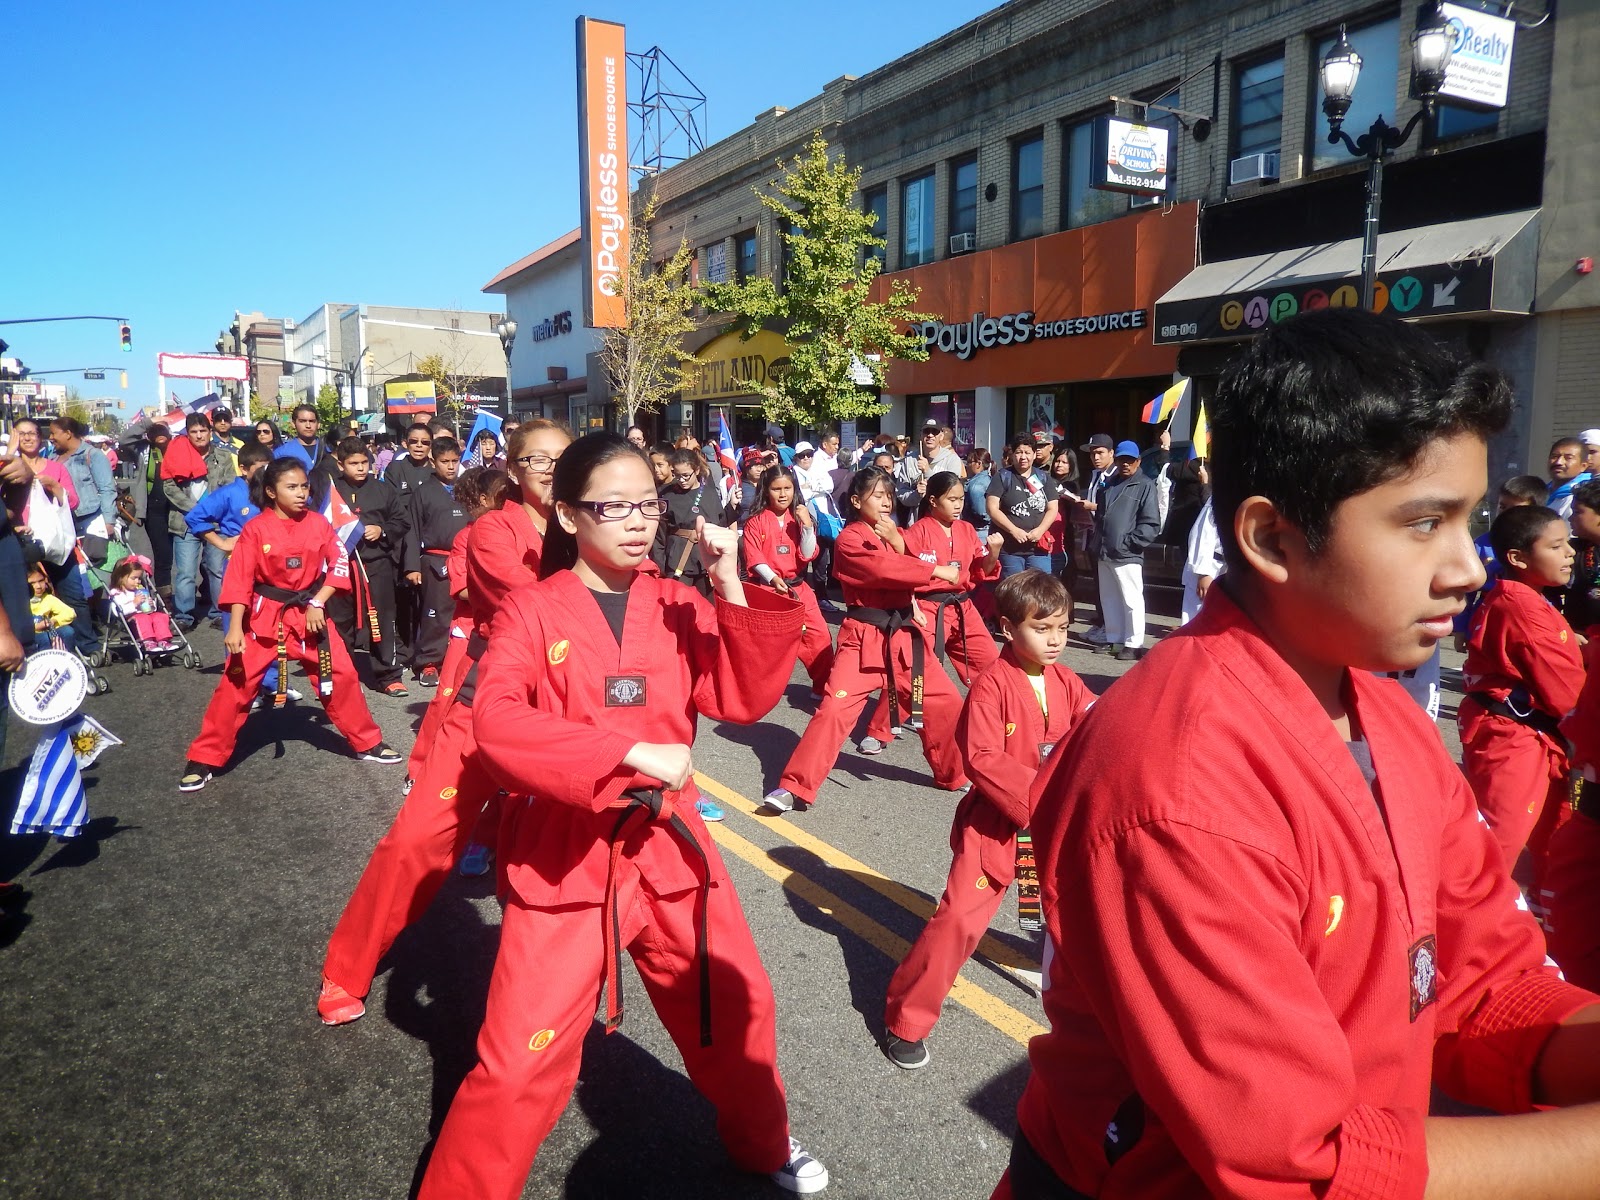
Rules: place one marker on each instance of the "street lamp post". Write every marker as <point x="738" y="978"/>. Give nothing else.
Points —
<point x="1431" y="47"/>
<point x="507" y="329"/>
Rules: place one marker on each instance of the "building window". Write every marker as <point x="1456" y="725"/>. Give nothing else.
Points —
<point x="1452" y="121"/>
<point x="1027" y="187"/>
<point x="876" y="204"/>
<point x="717" y="263"/>
<point x="1376" y="90"/>
<point x="746" y="242"/>
<point x="1082" y="204"/>
<point x="916" y="221"/>
<point x="964" y="195"/>
<point x="1258" y="108"/>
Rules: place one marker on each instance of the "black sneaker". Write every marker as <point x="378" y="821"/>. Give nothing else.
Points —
<point x="195" y="776"/>
<point x="382" y="753"/>
<point x="908" y="1056"/>
<point x="1128" y="654"/>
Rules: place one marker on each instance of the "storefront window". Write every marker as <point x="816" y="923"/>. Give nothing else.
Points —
<point x="1376" y="89"/>
<point x="956" y="409"/>
<point x="1082" y="204"/>
<point x="1027" y="187"/>
<point x="916" y="222"/>
<point x="964" y="196"/>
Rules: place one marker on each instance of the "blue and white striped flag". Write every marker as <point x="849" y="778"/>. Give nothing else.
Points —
<point x="53" y="799"/>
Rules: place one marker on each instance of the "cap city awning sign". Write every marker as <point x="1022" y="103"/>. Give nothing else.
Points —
<point x="983" y="332"/>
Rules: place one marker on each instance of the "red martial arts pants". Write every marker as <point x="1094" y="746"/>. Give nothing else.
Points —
<point x="816" y="642"/>
<point x="850" y="686"/>
<point x="242" y="675"/>
<point x="1519" y="780"/>
<point x="542" y="1001"/>
<point x="1571" y="888"/>
<point x="451" y="673"/>
<point x="412" y="861"/>
<point x="969" y="903"/>
<point x="974" y="654"/>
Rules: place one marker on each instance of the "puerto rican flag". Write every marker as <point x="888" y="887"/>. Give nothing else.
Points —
<point x="725" y="452"/>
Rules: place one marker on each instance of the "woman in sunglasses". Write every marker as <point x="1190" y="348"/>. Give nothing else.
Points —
<point x="591" y="689"/>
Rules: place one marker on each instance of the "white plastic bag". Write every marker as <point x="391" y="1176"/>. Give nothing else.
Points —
<point x="50" y="524"/>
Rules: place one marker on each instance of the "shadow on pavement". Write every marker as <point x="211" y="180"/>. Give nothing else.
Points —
<point x="85" y="848"/>
<point x="301" y="722"/>
<point x="996" y="1101"/>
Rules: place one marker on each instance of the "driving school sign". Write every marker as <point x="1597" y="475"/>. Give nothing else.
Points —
<point x="1431" y="291"/>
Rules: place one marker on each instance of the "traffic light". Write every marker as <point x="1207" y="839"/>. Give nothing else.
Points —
<point x="124" y="381"/>
<point x="127" y="337"/>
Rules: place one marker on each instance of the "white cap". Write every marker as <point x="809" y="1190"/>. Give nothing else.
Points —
<point x="1590" y="437"/>
<point x="803" y="448"/>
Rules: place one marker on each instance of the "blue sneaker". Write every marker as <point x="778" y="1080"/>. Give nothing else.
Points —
<point x="475" y="862"/>
<point x="708" y="811"/>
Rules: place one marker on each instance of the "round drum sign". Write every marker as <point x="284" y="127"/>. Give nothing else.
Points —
<point x="50" y="687"/>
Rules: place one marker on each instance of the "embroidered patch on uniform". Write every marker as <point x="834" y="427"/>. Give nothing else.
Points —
<point x="1011" y="727"/>
<point x="1424" y="974"/>
<point x="265" y="548"/>
<point x="541" y="1039"/>
<point x="558" y="653"/>
<point x="293" y="562"/>
<point x="840" y="694"/>
<point x="983" y="882"/>
<point x="447" y="691"/>
<point x="245" y="511"/>
<point x="1335" y="914"/>
<point x="1044" y="751"/>
<point x="1563" y="636"/>
<point x="447" y="794"/>
<point x="624" y="691"/>
<point x="783" y="549"/>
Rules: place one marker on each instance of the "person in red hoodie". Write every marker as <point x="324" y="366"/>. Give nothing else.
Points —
<point x="1017" y="712"/>
<point x="1523" y="673"/>
<point x="1275" y="921"/>
<point x="587" y="704"/>
<point x="939" y="535"/>
<point x="779" y="540"/>
<point x="883" y="644"/>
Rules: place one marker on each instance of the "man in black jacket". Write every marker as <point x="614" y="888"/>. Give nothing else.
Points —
<point x="385" y="522"/>
<point x="408" y="471"/>
<point x="436" y="518"/>
<point x="688" y="498"/>
<point x="1127" y="519"/>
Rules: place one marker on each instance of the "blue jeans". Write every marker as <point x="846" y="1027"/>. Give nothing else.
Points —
<point x="67" y="583"/>
<point x="185" y="574"/>
<point x="1010" y="564"/>
<point x="215" y="563"/>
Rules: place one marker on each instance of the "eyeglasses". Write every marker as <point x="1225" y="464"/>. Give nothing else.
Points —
<point x="537" y="461"/>
<point x="621" y="510"/>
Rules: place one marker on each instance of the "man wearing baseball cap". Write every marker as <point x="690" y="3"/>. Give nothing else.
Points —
<point x="1098" y="452"/>
<point x="1127" y="519"/>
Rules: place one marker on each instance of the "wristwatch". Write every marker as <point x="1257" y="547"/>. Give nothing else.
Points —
<point x="313" y="603"/>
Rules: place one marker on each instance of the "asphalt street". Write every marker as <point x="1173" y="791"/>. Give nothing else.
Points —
<point x="158" y="978"/>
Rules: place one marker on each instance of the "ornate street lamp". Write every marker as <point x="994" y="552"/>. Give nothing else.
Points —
<point x="507" y="329"/>
<point x="1431" y="46"/>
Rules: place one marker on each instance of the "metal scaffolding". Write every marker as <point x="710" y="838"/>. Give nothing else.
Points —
<point x="669" y="112"/>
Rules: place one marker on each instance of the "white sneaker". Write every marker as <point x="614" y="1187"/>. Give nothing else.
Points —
<point x="802" y="1173"/>
<point x="779" y="800"/>
<point x="870" y="745"/>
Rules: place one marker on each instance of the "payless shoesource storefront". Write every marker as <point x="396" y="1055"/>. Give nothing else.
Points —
<point x="1054" y="333"/>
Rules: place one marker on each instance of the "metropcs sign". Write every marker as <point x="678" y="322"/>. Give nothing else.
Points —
<point x="1015" y="329"/>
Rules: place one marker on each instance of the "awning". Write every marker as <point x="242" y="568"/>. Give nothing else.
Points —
<point x="1482" y="266"/>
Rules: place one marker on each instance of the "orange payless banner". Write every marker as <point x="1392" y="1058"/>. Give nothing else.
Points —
<point x="603" y="169"/>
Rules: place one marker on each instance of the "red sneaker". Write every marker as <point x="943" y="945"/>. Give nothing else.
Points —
<point x="338" y="1007"/>
<point x="429" y="677"/>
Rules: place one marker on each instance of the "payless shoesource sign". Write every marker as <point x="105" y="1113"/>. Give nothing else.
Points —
<point x="982" y="332"/>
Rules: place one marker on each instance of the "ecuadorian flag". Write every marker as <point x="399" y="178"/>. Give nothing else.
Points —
<point x="1163" y="406"/>
<point x="1202" y="435"/>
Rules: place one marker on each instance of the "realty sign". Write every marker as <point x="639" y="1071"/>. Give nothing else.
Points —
<point x="1479" y="72"/>
<point x="1431" y="291"/>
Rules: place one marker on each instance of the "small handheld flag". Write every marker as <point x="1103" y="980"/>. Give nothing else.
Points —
<point x="1164" y="405"/>
<point x="1202" y="435"/>
<point x="53" y="798"/>
<point x="725" y="453"/>
<point x="347" y="526"/>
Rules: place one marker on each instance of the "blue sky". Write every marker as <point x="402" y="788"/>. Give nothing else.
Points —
<point x="172" y="162"/>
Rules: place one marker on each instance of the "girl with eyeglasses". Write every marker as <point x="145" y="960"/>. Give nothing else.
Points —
<point x="591" y="690"/>
<point x="447" y="789"/>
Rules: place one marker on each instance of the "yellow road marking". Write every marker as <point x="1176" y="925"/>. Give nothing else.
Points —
<point x="991" y="948"/>
<point x="1016" y="1025"/>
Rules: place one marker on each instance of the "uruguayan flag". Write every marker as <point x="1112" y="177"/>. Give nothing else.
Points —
<point x="53" y="799"/>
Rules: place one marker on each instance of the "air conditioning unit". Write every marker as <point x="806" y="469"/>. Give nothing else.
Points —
<point x="1254" y="168"/>
<point x="962" y="243"/>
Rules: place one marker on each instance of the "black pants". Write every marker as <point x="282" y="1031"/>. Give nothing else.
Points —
<point x="155" y="528"/>
<point x="437" y="608"/>
<point x="407" y="610"/>
<point x="352" y="623"/>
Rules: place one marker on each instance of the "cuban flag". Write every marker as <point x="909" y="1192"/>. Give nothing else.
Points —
<point x="725" y="454"/>
<point x="346" y="524"/>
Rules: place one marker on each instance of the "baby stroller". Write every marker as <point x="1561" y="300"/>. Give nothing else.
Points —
<point x="123" y="637"/>
<point x="99" y="685"/>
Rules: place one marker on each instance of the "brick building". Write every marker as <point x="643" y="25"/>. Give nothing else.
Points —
<point x="977" y="150"/>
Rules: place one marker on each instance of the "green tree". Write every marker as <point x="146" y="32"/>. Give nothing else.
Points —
<point x="840" y="340"/>
<point x="452" y="380"/>
<point x="329" y="405"/>
<point x="644" y="361"/>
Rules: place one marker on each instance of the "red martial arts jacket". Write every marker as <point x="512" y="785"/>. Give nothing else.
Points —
<point x="872" y="575"/>
<point x="929" y="540"/>
<point x="465" y="618"/>
<point x="559" y="705"/>
<point x="775" y="542"/>
<point x="1519" y="640"/>
<point x="1255" y="967"/>
<point x="502" y="556"/>
<point x="282" y="553"/>
<point x="1001" y="734"/>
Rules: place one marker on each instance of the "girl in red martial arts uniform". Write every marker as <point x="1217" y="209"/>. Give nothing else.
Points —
<point x="883" y="643"/>
<point x="587" y="705"/>
<point x="285" y="565"/>
<point x="940" y="536"/>
<point x="779" y="541"/>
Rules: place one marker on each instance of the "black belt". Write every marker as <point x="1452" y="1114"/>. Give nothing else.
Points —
<point x="940" y="602"/>
<point x="1586" y="798"/>
<point x="649" y="801"/>
<point x="298" y="599"/>
<point x="891" y="621"/>
<point x="1032" y="1178"/>
<point x="1519" y="707"/>
<point x="295" y="599"/>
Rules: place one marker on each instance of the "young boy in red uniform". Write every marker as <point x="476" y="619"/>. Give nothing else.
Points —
<point x="1522" y="675"/>
<point x="1016" y="713"/>
<point x="1274" y="918"/>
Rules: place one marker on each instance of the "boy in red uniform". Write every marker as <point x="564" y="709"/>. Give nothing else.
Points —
<point x="1522" y="675"/>
<point x="1271" y="934"/>
<point x="1015" y="714"/>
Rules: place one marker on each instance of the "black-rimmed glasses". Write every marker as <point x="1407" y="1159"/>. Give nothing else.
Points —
<point x="621" y="510"/>
<point x="536" y="461"/>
